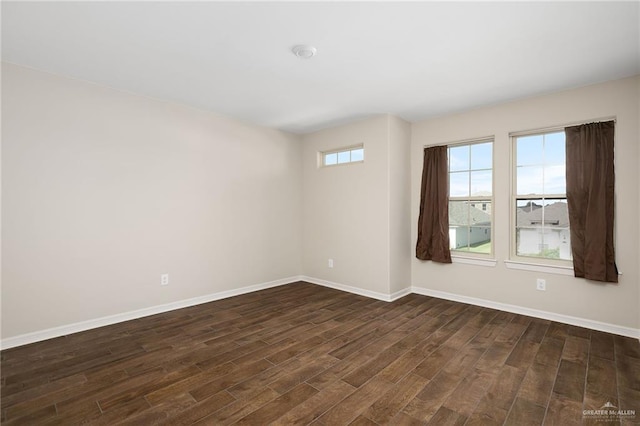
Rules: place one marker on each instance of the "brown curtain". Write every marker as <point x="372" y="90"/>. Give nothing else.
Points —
<point x="590" y="196"/>
<point x="433" y="222"/>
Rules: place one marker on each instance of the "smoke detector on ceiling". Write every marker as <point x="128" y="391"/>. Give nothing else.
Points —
<point x="304" y="51"/>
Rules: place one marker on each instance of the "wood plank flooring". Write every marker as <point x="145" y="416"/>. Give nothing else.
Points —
<point x="304" y="354"/>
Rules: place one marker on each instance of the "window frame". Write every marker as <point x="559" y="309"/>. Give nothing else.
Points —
<point x="462" y="254"/>
<point x="322" y="155"/>
<point x="513" y="222"/>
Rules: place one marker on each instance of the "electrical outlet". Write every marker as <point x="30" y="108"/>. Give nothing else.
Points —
<point x="164" y="279"/>
<point x="330" y="263"/>
<point x="541" y="284"/>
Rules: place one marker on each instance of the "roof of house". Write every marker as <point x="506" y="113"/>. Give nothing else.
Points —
<point x="555" y="215"/>
<point x="459" y="213"/>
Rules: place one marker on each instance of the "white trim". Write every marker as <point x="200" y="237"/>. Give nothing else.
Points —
<point x="535" y="267"/>
<point x="400" y="294"/>
<point x="478" y="261"/>
<point x="37" y="336"/>
<point x="356" y="290"/>
<point x="50" y="333"/>
<point x="565" y="319"/>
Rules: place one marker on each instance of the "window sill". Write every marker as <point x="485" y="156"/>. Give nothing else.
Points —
<point x="474" y="261"/>
<point x="536" y="267"/>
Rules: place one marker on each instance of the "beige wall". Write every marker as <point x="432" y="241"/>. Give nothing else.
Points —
<point x="637" y="95"/>
<point x="614" y="304"/>
<point x="400" y="252"/>
<point x="103" y="191"/>
<point x="345" y="208"/>
<point x="358" y="214"/>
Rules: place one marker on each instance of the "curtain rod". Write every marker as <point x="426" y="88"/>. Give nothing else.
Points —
<point x="562" y="126"/>
<point x="525" y="132"/>
<point x="463" y="141"/>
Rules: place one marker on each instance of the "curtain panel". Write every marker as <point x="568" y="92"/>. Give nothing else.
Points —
<point x="590" y="197"/>
<point x="433" y="222"/>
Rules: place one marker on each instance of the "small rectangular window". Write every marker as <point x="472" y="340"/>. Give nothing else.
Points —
<point x="354" y="154"/>
<point x="357" y="154"/>
<point x="540" y="200"/>
<point x="344" y="157"/>
<point x="330" y="159"/>
<point x="470" y="197"/>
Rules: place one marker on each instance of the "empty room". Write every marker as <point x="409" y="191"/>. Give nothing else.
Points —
<point x="331" y="213"/>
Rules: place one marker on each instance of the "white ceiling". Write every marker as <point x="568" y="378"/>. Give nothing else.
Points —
<point x="414" y="60"/>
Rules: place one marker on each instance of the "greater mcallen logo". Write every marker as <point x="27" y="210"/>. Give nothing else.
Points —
<point x="609" y="412"/>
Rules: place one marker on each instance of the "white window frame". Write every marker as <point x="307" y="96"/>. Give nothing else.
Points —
<point x="322" y="155"/>
<point x="462" y="256"/>
<point x="540" y="264"/>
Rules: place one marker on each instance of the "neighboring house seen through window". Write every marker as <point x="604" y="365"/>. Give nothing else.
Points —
<point x="470" y="197"/>
<point x="540" y="200"/>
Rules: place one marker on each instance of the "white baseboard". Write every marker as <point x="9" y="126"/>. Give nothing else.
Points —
<point x="25" y="339"/>
<point x="357" y="290"/>
<point x="400" y="294"/>
<point x="565" y="319"/>
<point x="50" y="333"/>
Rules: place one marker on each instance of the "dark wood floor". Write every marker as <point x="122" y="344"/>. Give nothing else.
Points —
<point x="301" y="353"/>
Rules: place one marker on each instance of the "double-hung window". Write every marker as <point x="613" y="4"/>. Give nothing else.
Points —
<point x="471" y="197"/>
<point x="541" y="219"/>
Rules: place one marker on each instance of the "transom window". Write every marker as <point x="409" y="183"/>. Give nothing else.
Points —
<point x="354" y="154"/>
<point x="471" y="197"/>
<point x="540" y="199"/>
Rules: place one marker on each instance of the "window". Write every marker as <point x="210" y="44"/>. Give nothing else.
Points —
<point x="540" y="200"/>
<point x="470" y="197"/>
<point x="354" y="154"/>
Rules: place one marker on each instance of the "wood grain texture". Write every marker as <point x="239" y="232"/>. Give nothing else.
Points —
<point x="304" y="354"/>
